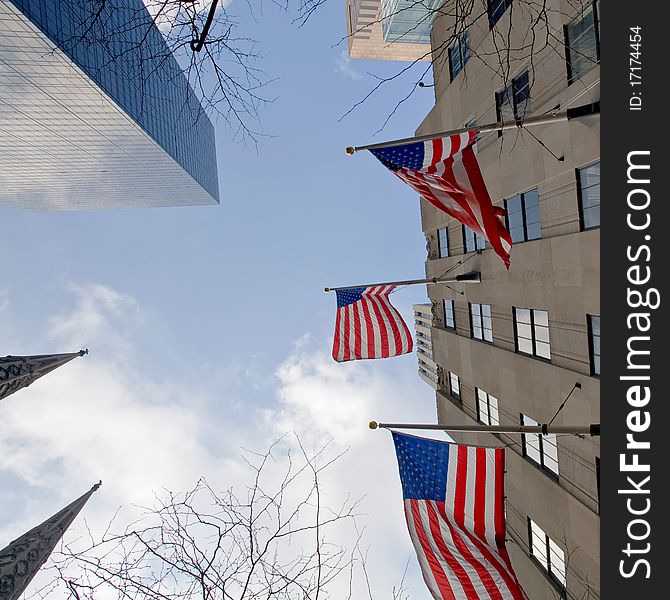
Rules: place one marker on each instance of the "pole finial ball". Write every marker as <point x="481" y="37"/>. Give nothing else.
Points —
<point x="349" y="150"/>
<point x="373" y="425"/>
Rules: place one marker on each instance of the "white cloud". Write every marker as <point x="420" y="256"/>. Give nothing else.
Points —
<point x="103" y="417"/>
<point x="320" y="400"/>
<point x="344" y="67"/>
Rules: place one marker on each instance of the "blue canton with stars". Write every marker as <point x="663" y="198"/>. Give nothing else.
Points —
<point x="423" y="467"/>
<point x="409" y="156"/>
<point x="346" y="297"/>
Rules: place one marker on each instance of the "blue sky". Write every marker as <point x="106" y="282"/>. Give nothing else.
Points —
<point x="208" y="327"/>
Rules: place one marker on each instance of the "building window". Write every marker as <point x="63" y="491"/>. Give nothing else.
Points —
<point x="487" y="408"/>
<point x="523" y="217"/>
<point x="594" y="343"/>
<point x="459" y="54"/>
<point x="423" y="319"/>
<point x="449" y="316"/>
<point x="472" y="241"/>
<point x="582" y="46"/>
<point x="454" y="386"/>
<point x="497" y="9"/>
<point x="481" y="327"/>
<point x="588" y="192"/>
<point x="541" y="449"/>
<point x="512" y="102"/>
<point x="531" y="328"/>
<point x="547" y="553"/>
<point x="443" y="242"/>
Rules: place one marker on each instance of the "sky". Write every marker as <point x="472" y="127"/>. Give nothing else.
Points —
<point x="208" y="327"/>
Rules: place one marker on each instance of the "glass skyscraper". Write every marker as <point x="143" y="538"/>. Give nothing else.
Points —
<point x="95" y="112"/>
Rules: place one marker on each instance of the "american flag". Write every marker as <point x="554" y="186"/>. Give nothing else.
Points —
<point x="367" y="325"/>
<point x="454" y="508"/>
<point x="446" y="173"/>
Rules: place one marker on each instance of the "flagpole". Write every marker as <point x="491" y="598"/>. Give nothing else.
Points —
<point x="471" y="277"/>
<point x="554" y="117"/>
<point x="592" y="429"/>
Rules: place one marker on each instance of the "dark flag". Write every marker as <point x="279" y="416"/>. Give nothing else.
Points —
<point x="20" y="561"/>
<point x="17" y="372"/>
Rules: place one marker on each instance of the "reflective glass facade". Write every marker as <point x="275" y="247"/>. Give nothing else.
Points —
<point x="408" y="21"/>
<point x="98" y="120"/>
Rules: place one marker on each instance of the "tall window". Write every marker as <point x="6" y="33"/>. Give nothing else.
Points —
<point x="472" y="241"/>
<point x="487" y="408"/>
<point x="523" y="217"/>
<point x="582" y="44"/>
<point x="443" y="242"/>
<point x="481" y="327"/>
<point x="449" y="316"/>
<point x="541" y="449"/>
<point x="459" y="54"/>
<point x="547" y="553"/>
<point x="588" y="192"/>
<point x="497" y="9"/>
<point x="512" y="101"/>
<point x="594" y="343"/>
<point x="454" y="386"/>
<point x="531" y="329"/>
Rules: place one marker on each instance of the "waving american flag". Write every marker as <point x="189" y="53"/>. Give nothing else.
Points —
<point x="454" y="506"/>
<point x="446" y="173"/>
<point x="367" y="325"/>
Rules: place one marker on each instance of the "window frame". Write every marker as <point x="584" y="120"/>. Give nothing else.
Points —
<point x="493" y="23"/>
<point x="592" y="354"/>
<point x="476" y="238"/>
<point x="445" y="312"/>
<point x="580" y="198"/>
<point x="511" y="89"/>
<point x="488" y="407"/>
<point x="547" y="567"/>
<point x="596" y="34"/>
<point x="524" y="215"/>
<point x="455" y="395"/>
<point x="462" y="46"/>
<point x="481" y="319"/>
<point x="533" y="339"/>
<point x="541" y="465"/>
<point x="439" y="242"/>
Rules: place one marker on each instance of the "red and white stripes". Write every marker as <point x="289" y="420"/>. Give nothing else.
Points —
<point x="370" y="328"/>
<point x="461" y="542"/>
<point x="451" y="180"/>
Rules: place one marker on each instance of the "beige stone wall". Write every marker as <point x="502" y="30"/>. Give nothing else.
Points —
<point x="559" y="273"/>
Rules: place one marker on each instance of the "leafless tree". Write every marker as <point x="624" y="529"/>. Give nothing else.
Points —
<point x="269" y="542"/>
<point x="530" y="33"/>
<point x="223" y="63"/>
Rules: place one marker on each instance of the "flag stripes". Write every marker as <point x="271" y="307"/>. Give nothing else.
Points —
<point x="453" y="500"/>
<point x="445" y="172"/>
<point x="368" y="326"/>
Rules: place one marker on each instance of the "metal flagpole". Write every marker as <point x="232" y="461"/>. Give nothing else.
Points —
<point x="593" y="429"/>
<point x="471" y="277"/>
<point x="555" y="117"/>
